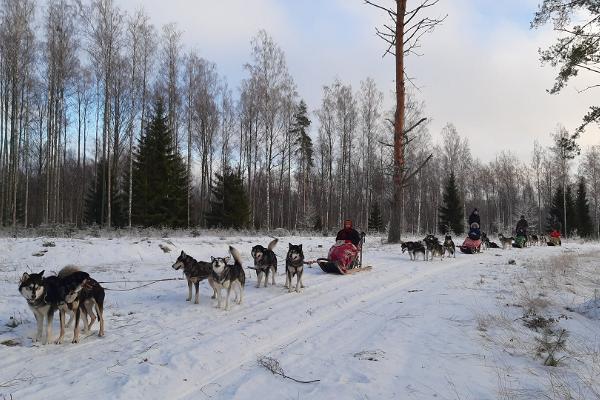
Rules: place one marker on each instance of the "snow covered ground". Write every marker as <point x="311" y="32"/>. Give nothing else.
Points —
<point x="451" y="329"/>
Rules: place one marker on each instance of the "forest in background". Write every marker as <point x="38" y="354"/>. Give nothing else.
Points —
<point x="78" y="84"/>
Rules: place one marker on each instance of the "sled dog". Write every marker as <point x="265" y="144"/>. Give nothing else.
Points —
<point x="505" y="242"/>
<point x="413" y="248"/>
<point x="226" y="276"/>
<point x="265" y="262"/>
<point x="294" y="265"/>
<point x="433" y="247"/>
<point x="195" y="272"/>
<point x="71" y="291"/>
<point x="449" y="246"/>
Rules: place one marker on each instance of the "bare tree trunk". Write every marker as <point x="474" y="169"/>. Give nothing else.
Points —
<point x="396" y="220"/>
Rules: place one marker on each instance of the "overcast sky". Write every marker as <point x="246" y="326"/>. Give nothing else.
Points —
<point x="480" y="70"/>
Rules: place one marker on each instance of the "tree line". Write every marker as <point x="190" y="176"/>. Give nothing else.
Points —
<point x="79" y="87"/>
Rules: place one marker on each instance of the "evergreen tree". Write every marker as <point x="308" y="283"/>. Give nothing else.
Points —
<point x="557" y="208"/>
<point x="375" y="218"/>
<point x="582" y="211"/>
<point x="160" y="179"/>
<point x="451" y="212"/>
<point x="96" y="199"/>
<point x="229" y="207"/>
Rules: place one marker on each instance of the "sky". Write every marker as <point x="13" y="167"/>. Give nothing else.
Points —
<point x="480" y="70"/>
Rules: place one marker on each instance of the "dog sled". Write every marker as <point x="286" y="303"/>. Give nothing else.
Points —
<point x="554" y="239"/>
<point x="344" y="258"/>
<point x="472" y="243"/>
<point x="470" y="246"/>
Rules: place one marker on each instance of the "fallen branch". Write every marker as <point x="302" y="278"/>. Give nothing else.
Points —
<point x="273" y="365"/>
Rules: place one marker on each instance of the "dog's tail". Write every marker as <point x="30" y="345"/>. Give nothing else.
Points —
<point x="236" y="255"/>
<point x="67" y="270"/>
<point x="272" y="244"/>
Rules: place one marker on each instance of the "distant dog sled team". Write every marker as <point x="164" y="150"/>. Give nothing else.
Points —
<point x="476" y="241"/>
<point x="76" y="293"/>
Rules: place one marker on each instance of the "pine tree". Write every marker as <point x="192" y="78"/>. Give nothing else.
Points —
<point x="451" y="212"/>
<point x="160" y="179"/>
<point x="229" y="207"/>
<point x="96" y="199"/>
<point x="557" y="209"/>
<point x="375" y="218"/>
<point x="582" y="211"/>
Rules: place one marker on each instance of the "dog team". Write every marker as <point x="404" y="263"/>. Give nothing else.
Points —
<point x="74" y="292"/>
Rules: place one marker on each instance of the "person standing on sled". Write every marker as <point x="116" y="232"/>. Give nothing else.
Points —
<point x="521" y="238"/>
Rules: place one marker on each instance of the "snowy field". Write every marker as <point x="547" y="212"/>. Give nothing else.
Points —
<point x="465" y="328"/>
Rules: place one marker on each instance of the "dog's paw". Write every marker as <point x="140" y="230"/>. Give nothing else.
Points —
<point x="58" y="341"/>
<point x="75" y="341"/>
<point x="257" y="286"/>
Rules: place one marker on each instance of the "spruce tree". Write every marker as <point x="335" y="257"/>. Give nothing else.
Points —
<point x="582" y="211"/>
<point x="96" y="199"/>
<point x="451" y="212"/>
<point x="375" y="219"/>
<point x="229" y="206"/>
<point x="160" y="179"/>
<point x="557" y="209"/>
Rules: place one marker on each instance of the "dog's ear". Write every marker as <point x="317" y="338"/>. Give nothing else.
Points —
<point x="226" y="259"/>
<point x="290" y="245"/>
<point x="42" y="273"/>
<point x="212" y="259"/>
<point x="24" y="277"/>
<point x="300" y="247"/>
<point x="182" y="253"/>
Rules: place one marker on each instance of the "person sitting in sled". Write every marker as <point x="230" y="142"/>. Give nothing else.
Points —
<point x="521" y="238"/>
<point x="349" y="234"/>
<point x="475" y="225"/>
<point x="555" y="227"/>
<point x="345" y="251"/>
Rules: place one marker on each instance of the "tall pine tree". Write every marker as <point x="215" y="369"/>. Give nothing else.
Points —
<point x="160" y="179"/>
<point x="451" y="211"/>
<point x="557" y="209"/>
<point x="229" y="206"/>
<point x="583" y="220"/>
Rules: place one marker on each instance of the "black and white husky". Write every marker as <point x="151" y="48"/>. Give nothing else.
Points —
<point x="265" y="261"/>
<point x="413" y="249"/>
<point x="226" y="276"/>
<point x="449" y="246"/>
<point x="294" y="265"/>
<point x="81" y="294"/>
<point x="195" y="272"/>
<point x="33" y="288"/>
<point x="71" y="291"/>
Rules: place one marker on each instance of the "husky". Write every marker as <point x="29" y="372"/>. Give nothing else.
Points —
<point x="485" y="241"/>
<point x="90" y="297"/>
<point x="449" y="246"/>
<point x="505" y="242"/>
<point x="33" y="288"/>
<point x="265" y="261"/>
<point x="68" y="291"/>
<point x="195" y="272"/>
<point x="533" y="239"/>
<point x="433" y="247"/>
<point x="493" y="245"/>
<point x="225" y="276"/>
<point x="413" y="249"/>
<point x="294" y="265"/>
